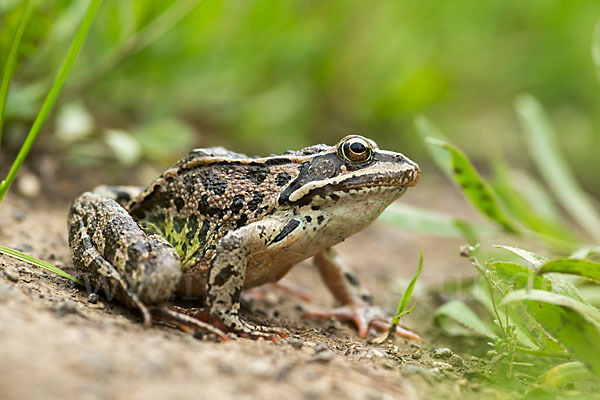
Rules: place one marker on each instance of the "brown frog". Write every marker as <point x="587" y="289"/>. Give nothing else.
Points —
<point x="218" y="222"/>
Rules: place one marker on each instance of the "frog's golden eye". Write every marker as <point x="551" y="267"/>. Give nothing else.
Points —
<point x="357" y="150"/>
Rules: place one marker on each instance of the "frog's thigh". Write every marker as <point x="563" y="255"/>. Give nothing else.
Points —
<point x="113" y="252"/>
<point x="340" y="279"/>
<point x="228" y="268"/>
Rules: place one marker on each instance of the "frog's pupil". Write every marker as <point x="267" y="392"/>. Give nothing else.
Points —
<point x="358" y="147"/>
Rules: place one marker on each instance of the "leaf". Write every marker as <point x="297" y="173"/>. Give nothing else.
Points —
<point x="476" y="189"/>
<point x="514" y="276"/>
<point x="11" y="60"/>
<point x="536" y="210"/>
<point x="574" y="324"/>
<point x="427" y="130"/>
<point x="38" y="263"/>
<point x="586" y="269"/>
<point x="563" y="374"/>
<point x="454" y="316"/>
<point x="543" y="148"/>
<point x="596" y="48"/>
<point x="526" y="255"/>
<point x="427" y="221"/>
<point x="401" y="309"/>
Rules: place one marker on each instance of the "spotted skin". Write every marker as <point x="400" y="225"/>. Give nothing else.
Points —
<point x="218" y="222"/>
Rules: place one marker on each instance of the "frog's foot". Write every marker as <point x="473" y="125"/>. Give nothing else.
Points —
<point x="233" y="323"/>
<point x="187" y="321"/>
<point x="363" y="316"/>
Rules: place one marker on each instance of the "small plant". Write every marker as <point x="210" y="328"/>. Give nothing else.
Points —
<point x="55" y="90"/>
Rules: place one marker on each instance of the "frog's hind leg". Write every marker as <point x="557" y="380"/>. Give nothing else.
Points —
<point x="113" y="253"/>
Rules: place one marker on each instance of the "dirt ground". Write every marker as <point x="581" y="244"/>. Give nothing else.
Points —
<point x="54" y="343"/>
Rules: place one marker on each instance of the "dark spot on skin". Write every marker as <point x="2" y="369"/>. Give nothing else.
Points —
<point x="257" y="174"/>
<point x="205" y="209"/>
<point x="224" y="275"/>
<point x="320" y="219"/>
<point x="213" y="182"/>
<point x="241" y="221"/>
<point x="178" y="224"/>
<point x="334" y="197"/>
<point x="287" y="229"/>
<point x="308" y="218"/>
<point x="237" y="204"/>
<point x="256" y="200"/>
<point x="315" y="208"/>
<point x="179" y="203"/>
<point x="155" y="200"/>
<point x="192" y="224"/>
<point x="351" y="279"/>
<point x="282" y="178"/>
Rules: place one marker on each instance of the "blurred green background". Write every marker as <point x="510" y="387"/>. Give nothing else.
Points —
<point x="156" y="78"/>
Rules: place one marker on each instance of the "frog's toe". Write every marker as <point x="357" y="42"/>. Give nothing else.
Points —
<point x="363" y="316"/>
<point x="247" y="329"/>
<point x="185" y="321"/>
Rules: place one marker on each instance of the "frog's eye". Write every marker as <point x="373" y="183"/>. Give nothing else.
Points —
<point x="356" y="150"/>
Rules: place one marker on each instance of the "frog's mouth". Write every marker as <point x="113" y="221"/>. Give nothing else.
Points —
<point x="360" y="184"/>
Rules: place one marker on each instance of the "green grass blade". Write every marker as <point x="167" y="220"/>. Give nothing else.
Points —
<point x="428" y="222"/>
<point x="11" y="61"/>
<point x="575" y="325"/>
<point x="596" y="48"/>
<point x="583" y="268"/>
<point x="403" y="303"/>
<point x="456" y="319"/>
<point x="38" y="263"/>
<point x="475" y="188"/>
<point x="553" y="167"/>
<point x="535" y="259"/>
<point x="63" y="73"/>
<point x="133" y="44"/>
<point x="536" y="212"/>
<point x="566" y="373"/>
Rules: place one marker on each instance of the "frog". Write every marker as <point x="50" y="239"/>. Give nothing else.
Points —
<point x="219" y="222"/>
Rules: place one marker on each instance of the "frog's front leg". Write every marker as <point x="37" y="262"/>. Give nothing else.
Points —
<point x="356" y="302"/>
<point x="227" y="273"/>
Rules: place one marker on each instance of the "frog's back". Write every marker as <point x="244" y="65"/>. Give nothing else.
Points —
<point x="210" y="192"/>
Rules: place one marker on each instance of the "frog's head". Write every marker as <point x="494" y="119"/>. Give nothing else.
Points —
<point x="352" y="176"/>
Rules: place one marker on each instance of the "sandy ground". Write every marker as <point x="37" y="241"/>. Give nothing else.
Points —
<point x="54" y="343"/>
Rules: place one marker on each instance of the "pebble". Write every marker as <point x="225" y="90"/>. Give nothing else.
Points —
<point x="64" y="307"/>
<point x="23" y="248"/>
<point x="296" y="343"/>
<point x="12" y="273"/>
<point x="260" y="368"/>
<point x="442" y="352"/>
<point x="375" y="353"/>
<point x="6" y="292"/>
<point x="455" y="361"/>
<point x="324" y="356"/>
<point x="18" y="215"/>
<point x="93" y="298"/>
<point x="320" y="347"/>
